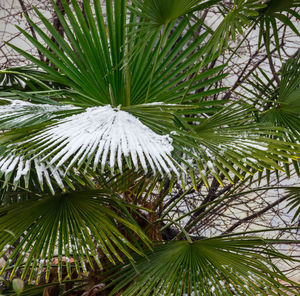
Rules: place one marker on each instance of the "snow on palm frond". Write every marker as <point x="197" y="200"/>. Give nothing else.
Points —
<point x="100" y="135"/>
<point x="20" y="113"/>
<point x="106" y="134"/>
<point x="14" y="168"/>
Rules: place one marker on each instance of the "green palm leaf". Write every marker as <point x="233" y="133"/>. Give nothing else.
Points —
<point x="294" y="201"/>
<point x="277" y="11"/>
<point x="81" y="226"/>
<point x="226" y="142"/>
<point x="21" y="78"/>
<point x="279" y="105"/>
<point x="19" y="113"/>
<point x="120" y="130"/>
<point x="216" y="266"/>
<point x="161" y="12"/>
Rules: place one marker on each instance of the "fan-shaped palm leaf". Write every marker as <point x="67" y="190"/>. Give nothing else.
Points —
<point x="160" y="136"/>
<point x="158" y="12"/>
<point x="217" y="266"/>
<point x="279" y="105"/>
<point x="274" y="12"/>
<point x="80" y="226"/>
<point x="101" y="79"/>
<point x="225" y="142"/>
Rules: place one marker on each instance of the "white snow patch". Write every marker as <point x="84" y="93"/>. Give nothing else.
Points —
<point x="14" y="167"/>
<point x="103" y="135"/>
<point x="18" y="112"/>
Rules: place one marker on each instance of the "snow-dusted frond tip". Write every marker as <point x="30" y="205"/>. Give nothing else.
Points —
<point x="104" y="135"/>
<point x="14" y="168"/>
<point x="19" y="113"/>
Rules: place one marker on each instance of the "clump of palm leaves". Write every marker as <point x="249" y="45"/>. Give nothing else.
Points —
<point x="114" y="114"/>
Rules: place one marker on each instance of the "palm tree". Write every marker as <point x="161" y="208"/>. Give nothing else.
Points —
<point x="113" y="115"/>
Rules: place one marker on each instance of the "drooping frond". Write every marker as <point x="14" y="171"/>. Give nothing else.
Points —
<point x="17" y="170"/>
<point x="100" y="135"/>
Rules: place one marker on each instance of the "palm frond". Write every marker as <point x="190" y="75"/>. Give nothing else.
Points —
<point x="216" y="266"/>
<point x="104" y="135"/>
<point x="278" y="105"/>
<point x="19" y="113"/>
<point x="23" y="78"/>
<point x="160" y="141"/>
<point x="226" y="142"/>
<point x="81" y="227"/>
<point x="158" y="13"/>
<point x="277" y="11"/>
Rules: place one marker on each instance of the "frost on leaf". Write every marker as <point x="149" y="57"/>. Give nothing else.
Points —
<point x="103" y="135"/>
<point x="14" y="168"/>
<point x="19" y="113"/>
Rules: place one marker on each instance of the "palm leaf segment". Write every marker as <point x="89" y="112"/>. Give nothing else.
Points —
<point x="294" y="203"/>
<point x="217" y="266"/>
<point x="17" y="113"/>
<point x="95" y="68"/>
<point x="80" y="226"/>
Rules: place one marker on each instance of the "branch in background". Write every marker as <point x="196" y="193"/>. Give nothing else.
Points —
<point x="271" y="63"/>
<point x="56" y="22"/>
<point x="255" y="215"/>
<point x="241" y="79"/>
<point x="211" y="196"/>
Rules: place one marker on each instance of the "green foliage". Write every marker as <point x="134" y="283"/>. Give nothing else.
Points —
<point x="144" y="60"/>
<point x="277" y="11"/>
<point x="294" y="202"/>
<point x="217" y="266"/>
<point x="78" y="225"/>
<point x="161" y="12"/>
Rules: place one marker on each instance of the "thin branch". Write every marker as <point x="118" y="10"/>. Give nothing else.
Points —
<point x="271" y="63"/>
<point x="255" y="215"/>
